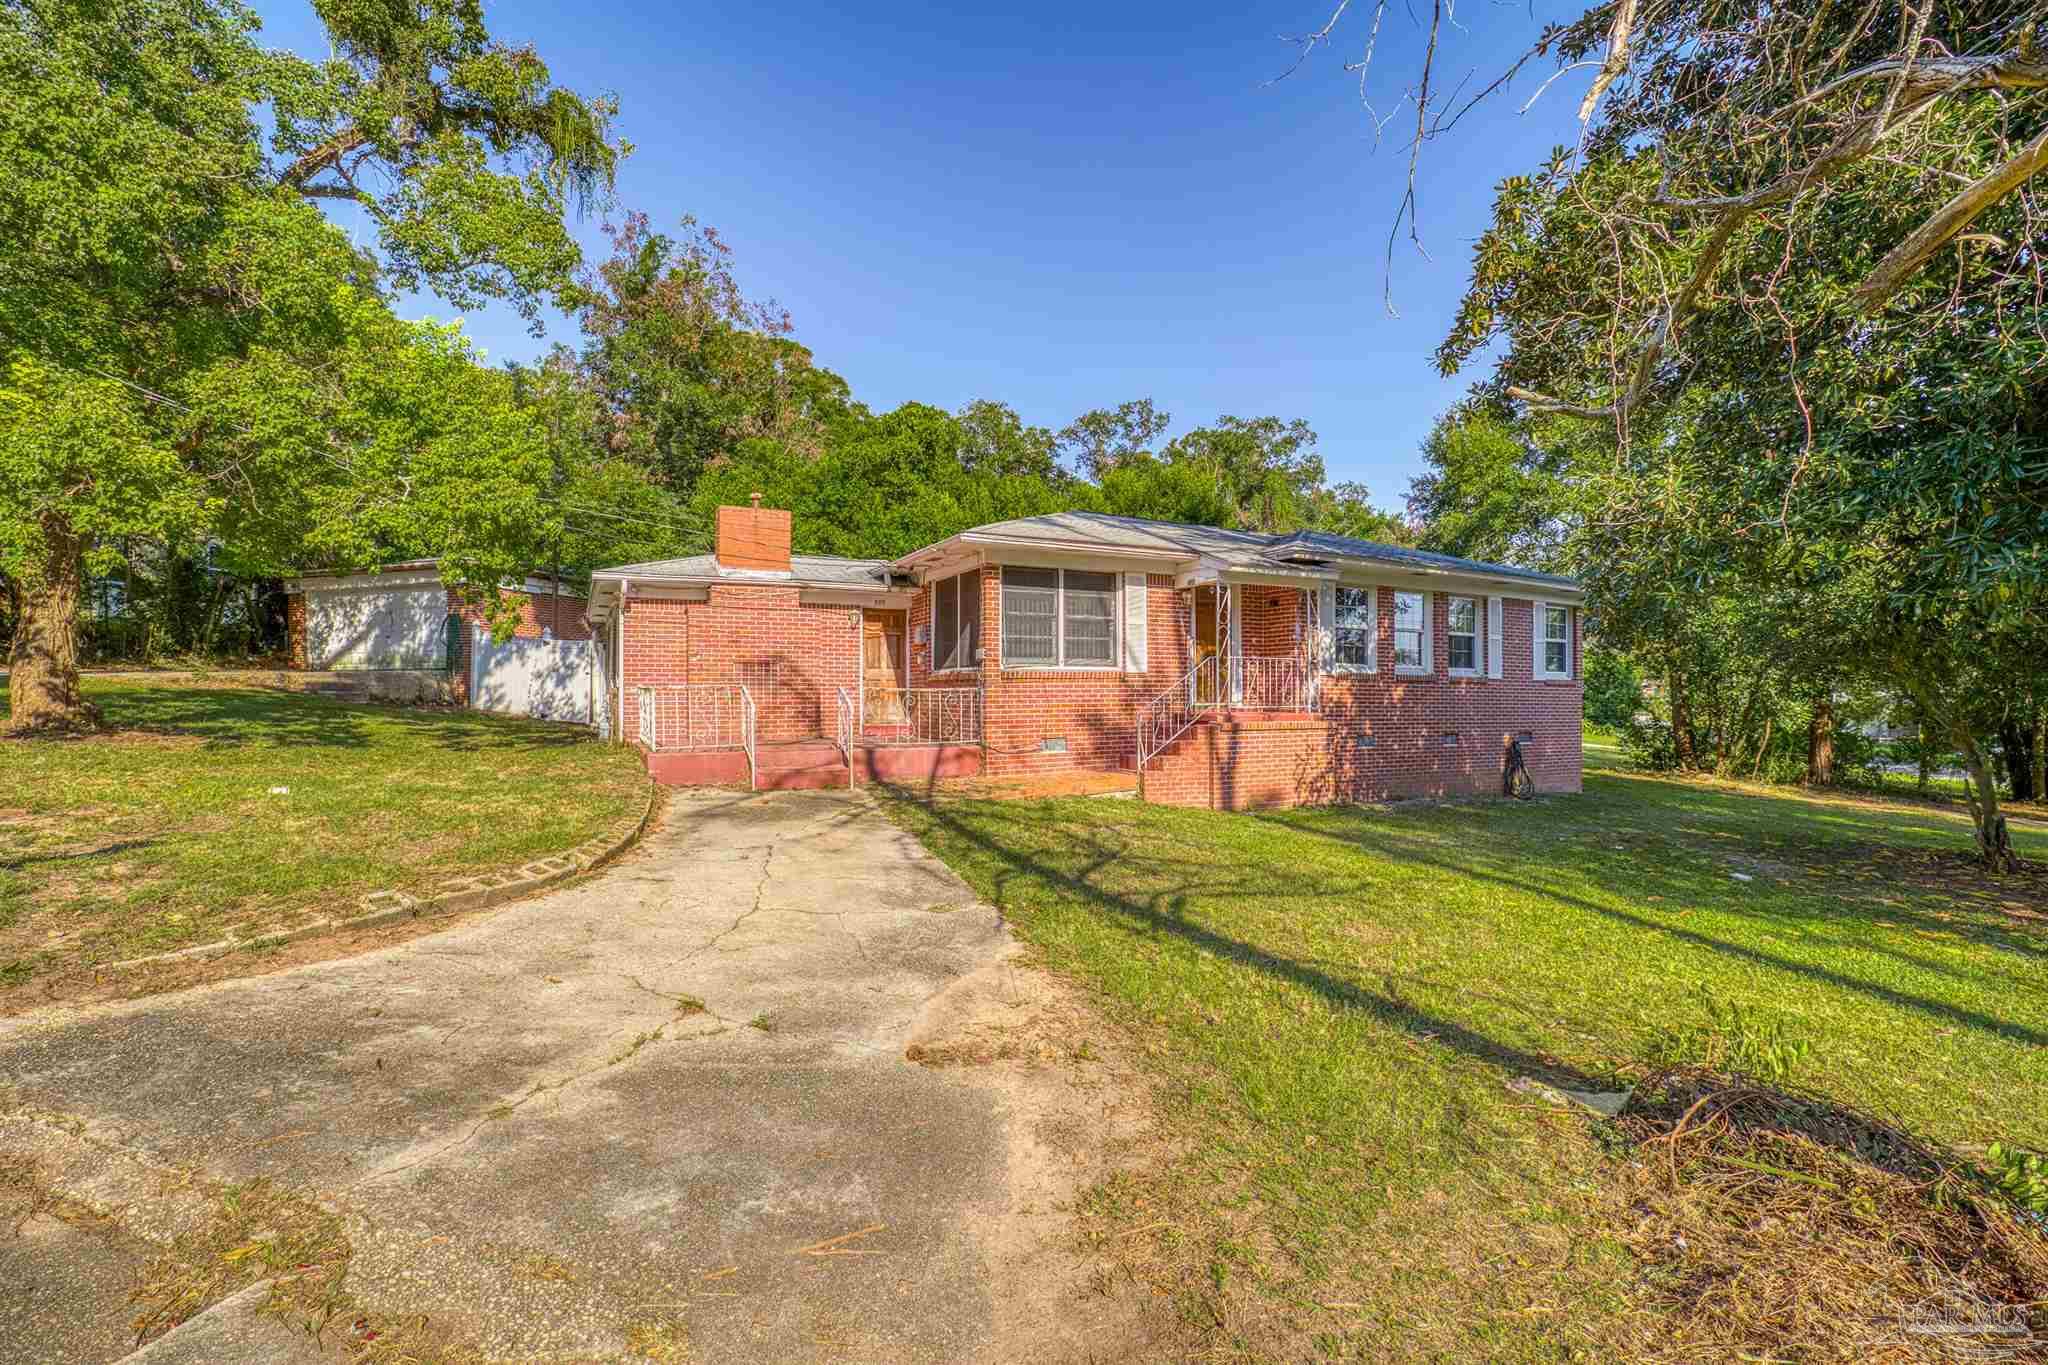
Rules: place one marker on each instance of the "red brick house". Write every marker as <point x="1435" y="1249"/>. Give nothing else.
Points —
<point x="1221" y="668"/>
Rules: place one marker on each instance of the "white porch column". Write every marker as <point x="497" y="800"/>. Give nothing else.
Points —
<point x="1231" y="601"/>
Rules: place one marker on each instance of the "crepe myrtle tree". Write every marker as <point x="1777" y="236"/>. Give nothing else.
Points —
<point x="190" y="350"/>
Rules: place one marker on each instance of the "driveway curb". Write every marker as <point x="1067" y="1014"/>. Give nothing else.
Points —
<point x="461" y="893"/>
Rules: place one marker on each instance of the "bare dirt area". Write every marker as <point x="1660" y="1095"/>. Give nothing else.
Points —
<point x="1080" y="1114"/>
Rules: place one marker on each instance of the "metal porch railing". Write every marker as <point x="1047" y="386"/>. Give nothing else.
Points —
<point x="846" y="725"/>
<point x="1167" y="716"/>
<point x="679" y="716"/>
<point x="921" y="715"/>
<point x="1273" y="683"/>
<point x="749" y="722"/>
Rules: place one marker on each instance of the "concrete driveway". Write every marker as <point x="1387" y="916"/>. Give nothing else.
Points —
<point x="665" y="1081"/>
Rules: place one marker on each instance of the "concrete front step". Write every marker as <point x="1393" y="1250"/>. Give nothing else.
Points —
<point x="797" y="754"/>
<point x="812" y="777"/>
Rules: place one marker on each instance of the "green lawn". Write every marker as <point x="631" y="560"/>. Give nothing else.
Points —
<point x="1333" y="1000"/>
<point x="166" y="831"/>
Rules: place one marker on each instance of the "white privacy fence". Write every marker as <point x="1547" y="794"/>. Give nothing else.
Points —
<point x="545" y="679"/>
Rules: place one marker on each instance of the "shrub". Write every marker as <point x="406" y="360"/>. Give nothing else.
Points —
<point x="1614" y="690"/>
<point x="1733" y="1040"/>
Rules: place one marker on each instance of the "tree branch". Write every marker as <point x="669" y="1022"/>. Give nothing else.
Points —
<point x="1957" y="214"/>
<point x="1619" y="34"/>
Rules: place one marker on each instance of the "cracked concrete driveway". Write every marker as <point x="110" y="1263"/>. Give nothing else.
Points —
<point x="666" y="1081"/>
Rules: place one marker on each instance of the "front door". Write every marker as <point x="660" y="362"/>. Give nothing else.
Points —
<point x="882" y="634"/>
<point x="1211" y="684"/>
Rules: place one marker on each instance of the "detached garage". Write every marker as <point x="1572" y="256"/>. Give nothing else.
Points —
<point x="402" y="630"/>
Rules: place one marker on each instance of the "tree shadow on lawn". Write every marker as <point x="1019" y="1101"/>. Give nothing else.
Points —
<point x="1529" y="876"/>
<point x="1157" y="913"/>
<point x="234" y="716"/>
<point x="19" y="862"/>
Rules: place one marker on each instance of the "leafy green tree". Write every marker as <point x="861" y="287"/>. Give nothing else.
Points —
<point x="687" y="365"/>
<point x="1491" y="492"/>
<point x="883" y="486"/>
<point x="1101" y="439"/>
<point x="1265" y="469"/>
<point x="997" y="442"/>
<point x="190" y="352"/>
<point x="1728" y="286"/>
<point x="1346" y="509"/>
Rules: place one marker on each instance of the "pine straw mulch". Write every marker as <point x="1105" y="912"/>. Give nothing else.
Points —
<point x="1776" y="1225"/>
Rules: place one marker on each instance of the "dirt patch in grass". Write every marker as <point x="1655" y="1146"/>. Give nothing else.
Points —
<point x="1950" y="874"/>
<point x="1082" y="1113"/>
<point x="1773" y="1224"/>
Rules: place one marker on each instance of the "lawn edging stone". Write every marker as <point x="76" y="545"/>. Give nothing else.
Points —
<point x="460" y="893"/>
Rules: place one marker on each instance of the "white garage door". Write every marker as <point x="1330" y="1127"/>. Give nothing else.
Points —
<point x="377" y="628"/>
<point x="547" y="679"/>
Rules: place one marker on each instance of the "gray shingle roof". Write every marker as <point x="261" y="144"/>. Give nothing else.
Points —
<point x="1240" y="548"/>
<point x="810" y="571"/>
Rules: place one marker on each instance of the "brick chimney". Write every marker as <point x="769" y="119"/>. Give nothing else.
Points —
<point x="753" y="537"/>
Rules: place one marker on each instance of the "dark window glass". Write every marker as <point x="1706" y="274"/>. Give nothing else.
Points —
<point x="1353" y="627"/>
<point x="945" y="623"/>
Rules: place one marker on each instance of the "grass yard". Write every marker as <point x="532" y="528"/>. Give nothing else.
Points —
<point x="165" y="831"/>
<point x="1334" y="1001"/>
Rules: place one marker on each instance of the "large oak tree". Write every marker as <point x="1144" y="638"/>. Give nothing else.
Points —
<point x="190" y="349"/>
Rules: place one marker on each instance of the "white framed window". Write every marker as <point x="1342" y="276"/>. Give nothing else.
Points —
<point x="1553" y="635"/>
<point x="1354" y="624"/>
<point x="956" y="622"/>
<point x="1411" y="632"/>
<point x="1462" y="619"/>
<point x="1060" y="618"/>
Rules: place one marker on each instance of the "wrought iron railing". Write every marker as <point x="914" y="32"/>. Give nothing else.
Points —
<point x="846" y="725"/>
<point x="749" y="722"/>
<point x="921" y="715"/>
<point x="1167" y="716"/>
<point x="1272" y="683"/>
<point x="679" y="716"/>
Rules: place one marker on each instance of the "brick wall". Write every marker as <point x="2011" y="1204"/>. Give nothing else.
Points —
<point x="295" y="627"/>
<point x="792" y="656"/>
<point x="557" y="614"/>
<point x="1093" y="710"/>
<point x="1378" y="735"/>
<point x="1382" y="735"/>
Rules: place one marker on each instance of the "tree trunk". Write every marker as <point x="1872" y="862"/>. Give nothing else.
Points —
<point x="1762" y="748"/>
<point x="2041" y="755"/>
<point x="42" y="663"/>
<point x="1820" y="743"/>
<point x="1994" y="844"/>
<point x="2017" y="741"/>
<point x="1926" y="756"/>
<point x="1681" y="725"/>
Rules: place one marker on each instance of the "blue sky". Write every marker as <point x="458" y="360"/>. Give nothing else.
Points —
<point x="1061" y="206"/>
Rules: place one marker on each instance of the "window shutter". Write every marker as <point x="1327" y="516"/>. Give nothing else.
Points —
<point x="1372" y="630"/>
<point x="1429" y="633"/>
<point x="1325" y="643"/>
<point x="1493" y="637"/>
<point x="1135" y="652"/>
<point x="1536" y="641"/>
